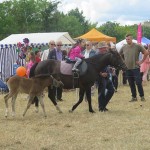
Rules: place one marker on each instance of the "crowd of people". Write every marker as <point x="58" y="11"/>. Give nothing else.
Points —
<point x="107" y="81"/>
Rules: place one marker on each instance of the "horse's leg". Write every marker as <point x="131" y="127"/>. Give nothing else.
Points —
<point x="36" y="102"/>
<point x="40" y="98"/>
<point x="81" y="95"/>
<point x="13" y="104"/>
<point x="6" y="97"/>
<point x="51" y="95"/>
<point x="29" y="104"/>
<point x="88" y="95"/>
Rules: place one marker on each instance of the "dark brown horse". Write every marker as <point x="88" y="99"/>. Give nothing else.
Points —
<point x="94" y="66"/>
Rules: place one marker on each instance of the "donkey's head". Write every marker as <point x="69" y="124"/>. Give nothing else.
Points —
<point x="57" y="83"/>
<point x="117" y="61"/>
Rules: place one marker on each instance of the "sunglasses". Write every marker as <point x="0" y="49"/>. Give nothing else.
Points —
<point x="59" y="45"/>
<point x="52" y="44"/>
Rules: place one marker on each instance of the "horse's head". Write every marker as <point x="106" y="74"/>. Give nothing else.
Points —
<point x="117" y="60"/>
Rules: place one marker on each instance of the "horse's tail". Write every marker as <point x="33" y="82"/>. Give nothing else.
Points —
<point x="7" y="79"/>
<point x="32" y="74"/>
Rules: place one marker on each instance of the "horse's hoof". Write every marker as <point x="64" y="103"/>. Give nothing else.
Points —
<point x="36" y="110"/>
<point x="70" y="111"/>
<point x="92" y="111"/>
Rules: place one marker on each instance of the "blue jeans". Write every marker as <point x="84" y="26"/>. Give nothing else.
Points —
<point x="135" y="79"/>
<point x="103" y="96"/>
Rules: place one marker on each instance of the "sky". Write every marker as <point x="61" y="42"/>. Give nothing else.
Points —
<point x="125" y="12"/>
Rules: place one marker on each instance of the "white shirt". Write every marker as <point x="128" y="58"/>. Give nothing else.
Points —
<point x="45" y="55"/>
<point x="87" y="52"/>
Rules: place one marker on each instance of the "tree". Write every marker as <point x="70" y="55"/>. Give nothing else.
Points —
<point x="112" y="29"/>
<point x="85" y="25"/>
<point x="69" y="24"/>
<point x="116" y="30"/>
<point x="7" y="24"/>
<point x="146" y="29"/>
<point x="49" y="14"/>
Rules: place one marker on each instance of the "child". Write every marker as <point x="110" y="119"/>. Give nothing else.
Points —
<point x="30" y="63"/>
<point x="37" y="56"/>
<point x="75" y="53"/>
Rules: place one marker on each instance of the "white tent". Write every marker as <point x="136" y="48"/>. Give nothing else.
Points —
<point x="8" y="48"/>
<point x="39" y="38"/>
<point x="123" y="42"/>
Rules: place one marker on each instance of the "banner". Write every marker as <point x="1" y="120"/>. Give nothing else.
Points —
<point x="139" y="33"/>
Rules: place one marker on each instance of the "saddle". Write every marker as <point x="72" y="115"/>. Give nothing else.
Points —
<point x="66" y="68"/>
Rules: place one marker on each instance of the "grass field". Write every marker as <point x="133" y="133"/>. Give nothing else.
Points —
<point x="126" y="126"/>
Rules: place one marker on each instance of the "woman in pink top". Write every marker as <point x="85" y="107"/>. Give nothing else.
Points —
<point x="145" y="68"/>
<point x="30" y="63"/>
<point x="75" y="53"/>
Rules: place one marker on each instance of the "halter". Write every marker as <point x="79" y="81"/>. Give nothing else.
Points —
<point x="55" y="82"/>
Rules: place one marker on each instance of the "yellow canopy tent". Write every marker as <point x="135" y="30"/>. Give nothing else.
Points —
<point x="95" y="35"/>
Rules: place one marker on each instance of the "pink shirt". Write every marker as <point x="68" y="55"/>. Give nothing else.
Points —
<point x="76" y="52"/>
<point x="29" y="65"/>
<point x="145" y="65"/>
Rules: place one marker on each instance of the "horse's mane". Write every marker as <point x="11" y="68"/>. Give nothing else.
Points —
<point x="95" y="57"/>
<point x="98" y="56"/>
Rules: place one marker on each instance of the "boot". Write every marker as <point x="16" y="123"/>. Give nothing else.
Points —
<point x="76" y="65"/>
<point x="74" y="68"/>
<point x="133" y="99"/>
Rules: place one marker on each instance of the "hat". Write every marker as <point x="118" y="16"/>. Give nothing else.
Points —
<point x="102" y="45"/>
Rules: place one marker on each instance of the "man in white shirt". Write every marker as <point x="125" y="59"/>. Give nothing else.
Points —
<point x="46" y="52"/>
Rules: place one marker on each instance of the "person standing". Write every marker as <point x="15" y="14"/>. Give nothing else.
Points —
<point x="144" y="68"/>
<point x="104" y="81"/>
<point x="114" y="71"/>
<point x="37" y="60"/>
<point x="46" y="52"/>
<point x="37" y="56"/>
<point x="30" y="63"/>
<point x="87" y="53"/>
<point x="56" y="54"/>
<point x="131" y="52"/>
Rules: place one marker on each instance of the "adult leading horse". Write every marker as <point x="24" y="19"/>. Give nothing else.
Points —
<point x="95" y="64"/>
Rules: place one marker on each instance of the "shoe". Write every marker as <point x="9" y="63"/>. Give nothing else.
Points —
<point x="75" y="69"/>
<point x="142" y="98"/>
<point x="134" y="99"/>
<point x="59" y="99"/>
<point x="101" y="109"/>
<point x="36" y="109"/>
<point x="105" y="109"/>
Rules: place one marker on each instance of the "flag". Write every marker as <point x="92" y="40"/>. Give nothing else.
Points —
<point x="139" y="33"/>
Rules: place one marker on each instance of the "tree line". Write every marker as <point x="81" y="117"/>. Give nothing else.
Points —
<point x="31" y="16"/>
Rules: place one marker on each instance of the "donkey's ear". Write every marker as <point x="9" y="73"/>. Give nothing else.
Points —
<point x="114" y="52"/>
